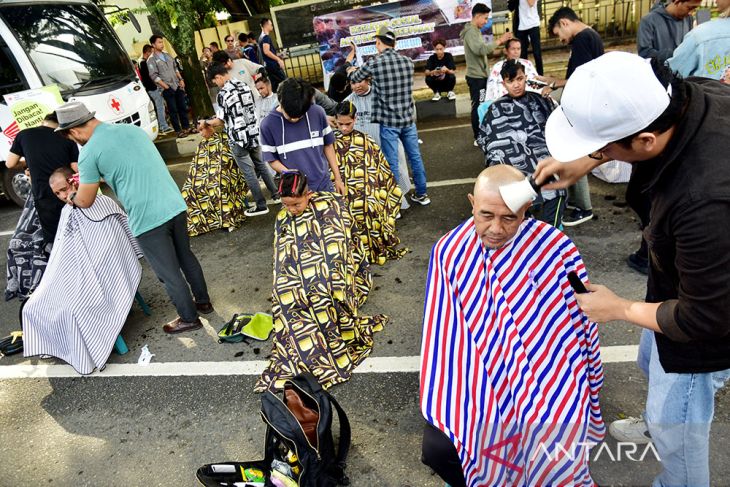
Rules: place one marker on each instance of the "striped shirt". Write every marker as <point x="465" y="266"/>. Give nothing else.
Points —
<point x="510" y="366"/>
<point x="94" y="251"/>
<point x="392" y="81"/>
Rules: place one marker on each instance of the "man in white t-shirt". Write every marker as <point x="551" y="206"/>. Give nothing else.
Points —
<point x="528" y="31"/>
<point x="495" y="86"/>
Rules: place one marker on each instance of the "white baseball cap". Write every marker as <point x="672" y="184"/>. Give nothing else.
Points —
<point x="605" y="100"/>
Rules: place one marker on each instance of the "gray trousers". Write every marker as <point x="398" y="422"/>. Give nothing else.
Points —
<point x="579" y="195"/>
<point x="252" y="166"/>
<point x="167" y="249"/>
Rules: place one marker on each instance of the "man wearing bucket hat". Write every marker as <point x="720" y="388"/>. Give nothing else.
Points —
<point x="393" y="109"/>
<point x="130" y="164"/>
<point x="675" y="132"/>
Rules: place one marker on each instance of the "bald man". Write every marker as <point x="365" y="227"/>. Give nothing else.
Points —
<point x="510" y="366"/>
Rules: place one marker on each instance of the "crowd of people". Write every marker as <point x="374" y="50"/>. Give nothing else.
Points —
<point x="510" y="358"/>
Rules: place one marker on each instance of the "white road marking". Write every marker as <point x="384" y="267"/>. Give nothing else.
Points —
<point x="373" y="365"/>
<point x="445" y="128"/>
<point x="9" y="232"/>
<point x="451" y="182"/>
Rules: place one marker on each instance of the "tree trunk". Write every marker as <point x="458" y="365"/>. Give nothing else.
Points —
<point x="195" y="85"/>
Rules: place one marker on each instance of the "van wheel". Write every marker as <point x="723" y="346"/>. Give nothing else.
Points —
<point x="16" y="185"/>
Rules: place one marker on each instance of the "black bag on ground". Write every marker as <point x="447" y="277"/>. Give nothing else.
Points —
<point x="299" y="432"/>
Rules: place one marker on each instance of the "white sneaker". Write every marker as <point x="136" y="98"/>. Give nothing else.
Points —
<point x="630" y="430"/>
<point x="475" y="144"/>
<point x="436" y="97"/>
<point x="451" y="95"/>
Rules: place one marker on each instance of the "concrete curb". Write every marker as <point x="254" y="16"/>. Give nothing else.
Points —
<point x="175" y="149"/>
<point x="171" y="149"/>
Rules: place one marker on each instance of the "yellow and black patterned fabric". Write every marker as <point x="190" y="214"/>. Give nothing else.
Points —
<point x="372" y="194"/>
<point x="215" y="188"/>
<point x="321" y="279"/>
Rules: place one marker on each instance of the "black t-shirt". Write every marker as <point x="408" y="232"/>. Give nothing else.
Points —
<point x="268" y="61"/>
<point x="44" y="152"/>
<point x="435" y="63"/>
<point x="586" y="46"/>
<point x="144" y="71"/>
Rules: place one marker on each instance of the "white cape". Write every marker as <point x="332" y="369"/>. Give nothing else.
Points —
<point x="87" y="290"/>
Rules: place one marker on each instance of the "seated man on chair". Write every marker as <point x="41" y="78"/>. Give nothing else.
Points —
<point x="510" y="365"/>
<point x="80" y="306"/>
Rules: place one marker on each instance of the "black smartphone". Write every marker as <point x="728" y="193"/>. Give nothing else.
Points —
<point x="576" y="283"/>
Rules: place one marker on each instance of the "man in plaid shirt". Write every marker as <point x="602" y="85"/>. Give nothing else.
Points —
<point x="392" y="79"/>
<point x="236" y="109"/>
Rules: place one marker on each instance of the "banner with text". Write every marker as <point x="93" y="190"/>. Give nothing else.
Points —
<point x="416" y="24"/>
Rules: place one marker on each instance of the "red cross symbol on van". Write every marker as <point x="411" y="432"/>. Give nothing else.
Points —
<point x="115" y="104"/>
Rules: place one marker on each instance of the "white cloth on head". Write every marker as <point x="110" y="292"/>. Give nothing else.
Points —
<point x="80" y="306"/>
<point x="613" y="172"/>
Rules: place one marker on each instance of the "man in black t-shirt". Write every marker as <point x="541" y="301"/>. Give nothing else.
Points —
<point x="274" y="64"/>
<point x="44" y="151"/>
<point x="441" y="71"/>
<point x="585" y="45"/>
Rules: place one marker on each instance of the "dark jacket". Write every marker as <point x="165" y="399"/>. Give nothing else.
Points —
<point x="689" y="234"/>
<point x="659" y="33"/>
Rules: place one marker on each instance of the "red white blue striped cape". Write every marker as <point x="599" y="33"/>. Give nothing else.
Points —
<point x="510" y="366"/>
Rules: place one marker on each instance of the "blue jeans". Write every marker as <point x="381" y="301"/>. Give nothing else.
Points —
<point x="389" y="137"/>
<point x="159" y="102"/>
<point x="679" y="412"/>
<point x="252" y="166"/>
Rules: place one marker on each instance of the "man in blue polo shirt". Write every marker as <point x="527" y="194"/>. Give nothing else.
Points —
<point x="130" y="164"/>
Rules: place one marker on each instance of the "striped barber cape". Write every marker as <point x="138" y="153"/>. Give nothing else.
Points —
<point x="510" y="366"/>
<point x="82" y="302"/>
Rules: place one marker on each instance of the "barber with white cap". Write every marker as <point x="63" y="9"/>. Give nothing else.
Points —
<point x="676" y="133"/>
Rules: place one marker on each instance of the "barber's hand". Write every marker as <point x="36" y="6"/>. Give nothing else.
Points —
<point x="546" y="90"/>
<point x="600" y="304"/>
<point x="340" y="187"/>
<point x="504" y="38"/>
<point x="351" y="69"/>
<point x="567" y="173"/>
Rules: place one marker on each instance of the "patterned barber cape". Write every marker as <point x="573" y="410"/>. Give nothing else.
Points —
<point x="321" y="279"/>
<point x="373" y="197"/>
<point x="215" y="189"/>
<point x="510" y="366"/>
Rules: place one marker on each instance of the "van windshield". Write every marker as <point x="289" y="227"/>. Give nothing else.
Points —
<point x="71" y="45"/>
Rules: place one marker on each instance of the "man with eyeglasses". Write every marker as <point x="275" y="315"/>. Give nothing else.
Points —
<point x="231" y="49"/>
<point x="675" y="133"/>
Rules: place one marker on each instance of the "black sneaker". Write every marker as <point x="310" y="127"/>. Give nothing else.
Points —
<point x="421" y="199"/>
<point x="638" y="262"/>
<point x="577" y="216"/>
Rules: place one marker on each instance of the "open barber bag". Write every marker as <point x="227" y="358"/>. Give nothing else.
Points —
<point x="299" y="447"/>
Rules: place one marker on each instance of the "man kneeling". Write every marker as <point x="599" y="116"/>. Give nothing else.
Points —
<point x="510" y="366"/>
<point x="78" y="310"/>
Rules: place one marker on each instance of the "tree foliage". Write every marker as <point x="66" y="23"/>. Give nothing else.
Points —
<point x="179" y="20"/>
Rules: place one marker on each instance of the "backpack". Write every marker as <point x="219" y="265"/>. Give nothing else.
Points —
<point x="299" y="432"/>
<point x="299" y="447"/>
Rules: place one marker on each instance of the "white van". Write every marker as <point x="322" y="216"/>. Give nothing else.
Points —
<point x="69" y="44"/>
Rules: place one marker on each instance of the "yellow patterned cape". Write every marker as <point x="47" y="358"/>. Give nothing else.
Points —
<point x="215" y="188"/>
<point x="372" y="194"/>
<point x="321" y="278"/>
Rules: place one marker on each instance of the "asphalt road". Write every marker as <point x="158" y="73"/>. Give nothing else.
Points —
<point x="131" y="426"/>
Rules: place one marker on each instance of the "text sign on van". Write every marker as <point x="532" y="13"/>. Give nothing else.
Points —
<point x="29" y="107"/>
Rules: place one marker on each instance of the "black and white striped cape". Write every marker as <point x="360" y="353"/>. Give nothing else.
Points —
<point x="83" y="300"/>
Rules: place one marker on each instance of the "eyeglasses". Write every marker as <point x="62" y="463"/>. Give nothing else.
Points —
<point x="598" y="155"/>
